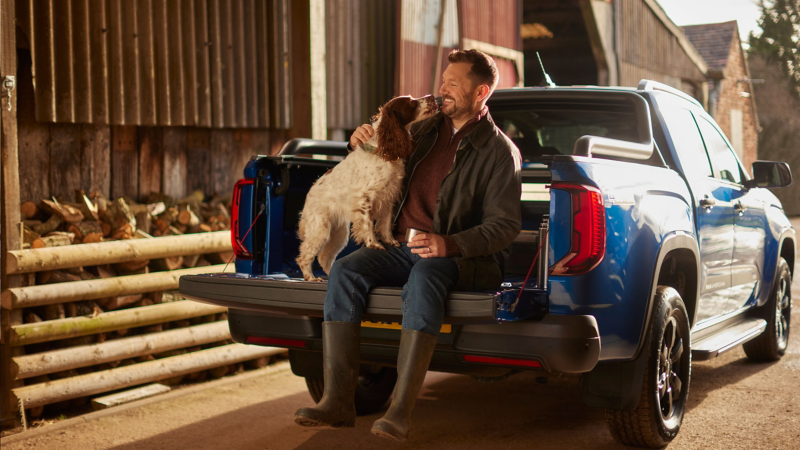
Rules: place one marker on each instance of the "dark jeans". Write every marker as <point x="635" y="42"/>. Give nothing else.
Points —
<point x="425" y="282"/>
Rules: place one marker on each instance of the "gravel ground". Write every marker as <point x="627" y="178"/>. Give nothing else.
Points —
<point x="733" y="404"/>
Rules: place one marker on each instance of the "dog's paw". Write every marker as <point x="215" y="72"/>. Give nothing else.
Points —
<point x="313" y="279"/>
<point x="391" y="242"/>
<point x="375" y="245"/>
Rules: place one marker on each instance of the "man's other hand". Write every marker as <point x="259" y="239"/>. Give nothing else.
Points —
<point x="428" y="245"/>
<point x="361" y="135"/>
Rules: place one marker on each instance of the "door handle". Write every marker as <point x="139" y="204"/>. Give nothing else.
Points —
<point x="707" y="202"/>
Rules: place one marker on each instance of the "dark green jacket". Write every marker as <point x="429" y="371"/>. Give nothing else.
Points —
<point x="479" y="199"/>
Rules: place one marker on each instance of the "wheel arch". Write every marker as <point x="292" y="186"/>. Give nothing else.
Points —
<point x="787" y="252"/>
<point x="682" y="248"/>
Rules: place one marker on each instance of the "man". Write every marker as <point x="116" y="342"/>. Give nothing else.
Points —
<point x="463" y="184"/>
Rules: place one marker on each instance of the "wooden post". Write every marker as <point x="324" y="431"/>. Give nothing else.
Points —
<point x="53" y="330"/>
<point x="9" y="216"/>
<point x="300" y="69"/>
<point x="53" y="258"/>
<point x="49" y="294"/>
<point x="117" y="349"/>
<point x="122" y="377"/>
<point x="319" y="102"/>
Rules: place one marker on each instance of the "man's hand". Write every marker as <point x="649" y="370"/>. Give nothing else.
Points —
<point x="361" y="135"/>
<point x="428" y="245"/>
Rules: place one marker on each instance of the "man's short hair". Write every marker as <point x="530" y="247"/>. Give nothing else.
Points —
<point x="484" y="70"/>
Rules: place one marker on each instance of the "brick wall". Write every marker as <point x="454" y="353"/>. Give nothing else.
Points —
<point x="730" y="98"/>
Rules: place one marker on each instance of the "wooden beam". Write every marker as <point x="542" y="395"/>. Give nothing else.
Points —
<point x="9" y="206"/>
<point x="53" y="330"/>
<point x="116" y="349"/>
<point x="53" y="258"/>
<point x="300" y="67"/>
<point x="122" y="377"/>
<point x="50" y="294"/>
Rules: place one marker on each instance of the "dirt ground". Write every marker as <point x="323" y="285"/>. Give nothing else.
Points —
<point x="733" y="404"/>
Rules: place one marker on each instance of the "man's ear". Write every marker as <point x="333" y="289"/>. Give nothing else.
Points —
<point x="483" y="92"/>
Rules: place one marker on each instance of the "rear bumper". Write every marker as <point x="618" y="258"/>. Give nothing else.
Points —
<point x="561" y="344"/>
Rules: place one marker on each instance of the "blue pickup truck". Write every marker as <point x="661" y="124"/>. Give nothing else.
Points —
<point x="656" y="247"/>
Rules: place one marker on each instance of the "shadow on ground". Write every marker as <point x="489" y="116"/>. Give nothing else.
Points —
<point x="454" y="411"/>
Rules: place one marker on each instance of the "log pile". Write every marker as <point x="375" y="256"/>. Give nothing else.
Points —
<point x="92" y="219"/>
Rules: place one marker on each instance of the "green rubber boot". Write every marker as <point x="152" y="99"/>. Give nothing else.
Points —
<point x="416" y="350"/>
<point x="341" y="347"/>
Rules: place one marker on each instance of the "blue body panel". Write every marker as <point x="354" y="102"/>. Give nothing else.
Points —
<point x="643" y="205"/>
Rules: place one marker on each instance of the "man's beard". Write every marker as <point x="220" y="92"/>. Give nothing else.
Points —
<point x="455" y="110"/>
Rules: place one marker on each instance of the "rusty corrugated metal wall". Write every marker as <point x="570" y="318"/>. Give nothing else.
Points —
<point x="208" y="63"/>
<point x="648" y="49"/>
<point x="360" y="59"/>
<point x="419" y="23"/>
<point x="495" y="22"/>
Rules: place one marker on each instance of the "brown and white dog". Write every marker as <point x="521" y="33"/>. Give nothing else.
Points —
<point x="362" y="189"/>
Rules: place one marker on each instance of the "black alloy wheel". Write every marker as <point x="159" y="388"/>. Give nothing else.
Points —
<point x="657" y="418"/>
<point x="772" y="343"/>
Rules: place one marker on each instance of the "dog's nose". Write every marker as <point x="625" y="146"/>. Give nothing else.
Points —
<point x="438" y="101"/>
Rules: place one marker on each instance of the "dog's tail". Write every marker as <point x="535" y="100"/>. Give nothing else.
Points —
<point x="336" y="243"/>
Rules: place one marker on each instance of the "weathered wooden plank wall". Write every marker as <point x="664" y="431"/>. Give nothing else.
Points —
<point x="57" y="158"/>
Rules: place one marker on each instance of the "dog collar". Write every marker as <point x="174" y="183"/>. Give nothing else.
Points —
<point x="369" y="148"/>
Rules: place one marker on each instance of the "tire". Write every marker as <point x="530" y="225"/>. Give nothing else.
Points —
<point x="771" y="344"/>
<point x="657" y="418"/>
<point x="375" y="386"/>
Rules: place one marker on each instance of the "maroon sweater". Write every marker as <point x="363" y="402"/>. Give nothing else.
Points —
<point x="423" y="189"/>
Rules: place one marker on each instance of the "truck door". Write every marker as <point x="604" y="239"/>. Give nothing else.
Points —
<point x="749" y="219"/>
<point x="713" y="212"/>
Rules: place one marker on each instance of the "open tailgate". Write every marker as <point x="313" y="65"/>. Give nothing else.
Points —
<point x="295" y="296"/>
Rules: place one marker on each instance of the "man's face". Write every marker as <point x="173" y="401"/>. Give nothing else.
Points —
<point x="458" y="91"/>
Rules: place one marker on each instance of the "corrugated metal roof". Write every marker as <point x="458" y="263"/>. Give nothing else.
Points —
<point x="220" y="63"/>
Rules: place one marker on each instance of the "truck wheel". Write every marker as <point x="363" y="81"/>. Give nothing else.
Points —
<point x="657" y="418"/>
<point x="771" y="344"/>
<point x="375" y="386"/>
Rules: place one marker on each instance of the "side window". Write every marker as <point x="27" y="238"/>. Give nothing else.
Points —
<point x="722" y="158"/>
<point x="688" y="143"/>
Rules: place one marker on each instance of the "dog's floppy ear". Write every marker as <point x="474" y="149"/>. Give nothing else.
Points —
<point x="393" y="140"/>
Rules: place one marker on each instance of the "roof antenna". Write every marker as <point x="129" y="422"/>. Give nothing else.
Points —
<point x="547" y="81"/>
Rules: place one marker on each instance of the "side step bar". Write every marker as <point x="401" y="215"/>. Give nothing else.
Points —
<point x="710" y="347"/>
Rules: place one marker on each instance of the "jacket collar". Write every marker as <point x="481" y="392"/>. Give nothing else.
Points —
<point x="478" y="136"/>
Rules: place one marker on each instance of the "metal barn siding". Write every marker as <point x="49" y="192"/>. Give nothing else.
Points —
<point x="494" y="21"/>
<point x="419" y="36"/>
<point x="360" y="49"/>
<point x="648" y="48"/>
<point x="220" y="63"/>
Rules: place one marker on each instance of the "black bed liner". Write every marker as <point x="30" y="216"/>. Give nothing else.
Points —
<point x="297" y="297"/>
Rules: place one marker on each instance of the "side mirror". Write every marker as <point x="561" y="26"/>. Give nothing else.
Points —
<point x="770" y="174"/>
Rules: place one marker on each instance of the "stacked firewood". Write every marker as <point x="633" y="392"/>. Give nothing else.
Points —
<point x="93" y="218"/>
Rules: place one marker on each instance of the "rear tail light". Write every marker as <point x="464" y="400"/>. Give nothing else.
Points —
<point x="501" y="361"/>
<point x="239" y="249"/>
<point x="588" y="230"/>
<point x="277" y="342"/>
